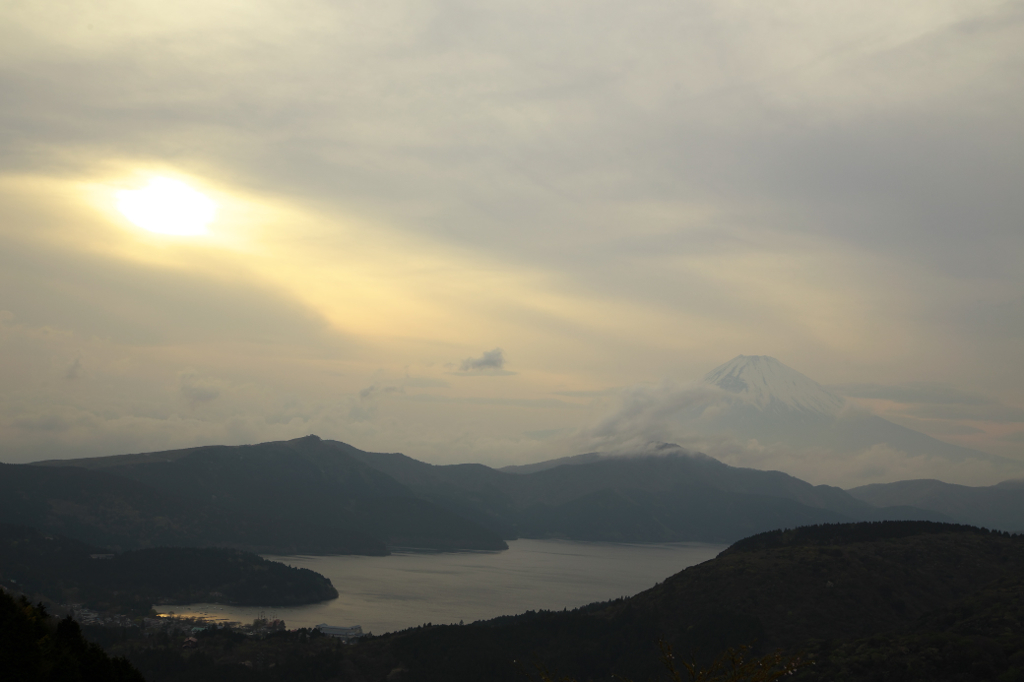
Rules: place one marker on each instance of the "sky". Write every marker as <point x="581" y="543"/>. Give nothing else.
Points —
<point x="464" y="230"/>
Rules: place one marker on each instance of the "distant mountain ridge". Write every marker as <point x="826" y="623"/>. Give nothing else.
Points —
<point x="998" y="506"/>
<point x="672" y="496"/>
<point x="318" y="496"/>
<point x="585" y="458"/>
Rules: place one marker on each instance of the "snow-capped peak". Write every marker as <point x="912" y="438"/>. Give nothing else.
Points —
<point x="769" y="384"/>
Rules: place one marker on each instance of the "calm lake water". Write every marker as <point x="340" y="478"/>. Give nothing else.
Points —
<point x="407" y="589"/>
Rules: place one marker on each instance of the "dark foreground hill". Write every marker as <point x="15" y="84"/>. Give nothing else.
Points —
<point x="300" y="496"/>
<point x="871" y="601"/>
<point x="67" y="571"/>
<point x="835" y="592"/>
<point x="34" y="648"/>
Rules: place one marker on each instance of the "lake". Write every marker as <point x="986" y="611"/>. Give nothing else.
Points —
<point x="406" y="589"/>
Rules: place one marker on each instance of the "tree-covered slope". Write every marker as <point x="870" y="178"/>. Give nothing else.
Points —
<point x="66" y="571"/>
<point x="839" y="593"/>
<point x="306" y="484"/>
<point x="33" y="648"/>
<point x="996" y="506"/>
<point x="869" y="601"/>
<point x="670" y="496"/>
<point x="101" y="508"/>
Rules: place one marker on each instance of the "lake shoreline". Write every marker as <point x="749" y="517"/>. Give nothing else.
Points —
<point x="409" y="588"/>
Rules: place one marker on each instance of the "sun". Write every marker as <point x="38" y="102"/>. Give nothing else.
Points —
<point x="167" y="206"/>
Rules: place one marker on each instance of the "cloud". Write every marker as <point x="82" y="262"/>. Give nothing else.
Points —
<point x="588" y="394"/>
<point x="917" y="392"/>
<point x="43" y="422"/>
<point x="1015" y="437"/>
<point x="198" y="390"/>
<point x="424" y="382"/>
<point x="74" y="370"/>
<point x="491" y="363"/>
<point x="492" y="359"/>
<point x="545" y="403"/>
<point x="55" y="419"/>
<point x="375" y="390"/>
<point x="545" y="434"/>
<point x="992" y="412"/>
<point x="643" y="414"/>
<point x="936" y="401"/>
<point x="942" y="411"/>
<point x="688" y="415"/>
<point x="848" y="193"/>
<point x="877" y="464"/>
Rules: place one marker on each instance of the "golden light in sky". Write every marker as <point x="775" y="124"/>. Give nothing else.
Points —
<point x="167" y="206"/>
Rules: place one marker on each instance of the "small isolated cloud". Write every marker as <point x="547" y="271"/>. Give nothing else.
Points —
<point x="492" y="359"/>
<point x="197" y="390"/>
<point x="365" y="409"/>
<point x="491" y="363"/>
<point x="372" y="391"/>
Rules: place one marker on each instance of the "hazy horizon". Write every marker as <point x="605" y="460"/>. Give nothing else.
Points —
<point x="478" y="234"/>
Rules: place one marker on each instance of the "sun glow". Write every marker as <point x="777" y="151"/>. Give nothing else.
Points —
<point x="167" y="206"/>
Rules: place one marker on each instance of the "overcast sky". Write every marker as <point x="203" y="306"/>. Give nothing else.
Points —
<point x="453" y="229"/>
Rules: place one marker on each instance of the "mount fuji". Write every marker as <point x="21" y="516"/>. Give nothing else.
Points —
<point x="757" y="399"/>
<point x="770" y="386"/>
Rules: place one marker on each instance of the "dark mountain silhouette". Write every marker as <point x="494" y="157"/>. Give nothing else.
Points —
<point x="828" y="591"/>
<point x="103" y="509"/>
<point x="304" y="483"/>
<point x="36" y="648"/>
<point x="585" y="458"/>
<point x="999" y="506"/>
<point x="673" y="496"/>
<point x="68" y="571"/>
<point x="318" y="487"/>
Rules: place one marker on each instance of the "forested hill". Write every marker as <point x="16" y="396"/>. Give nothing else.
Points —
<point x="671" y="495"/>
<point x="300" y="496"/>
<point x="67" y="571"/>
<point x="34" y="648"/>
<point x="100" y="508"/>
<point x="885" y="600"/>
<point x="316" y="496"/>
<point x="994" y="506"/>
